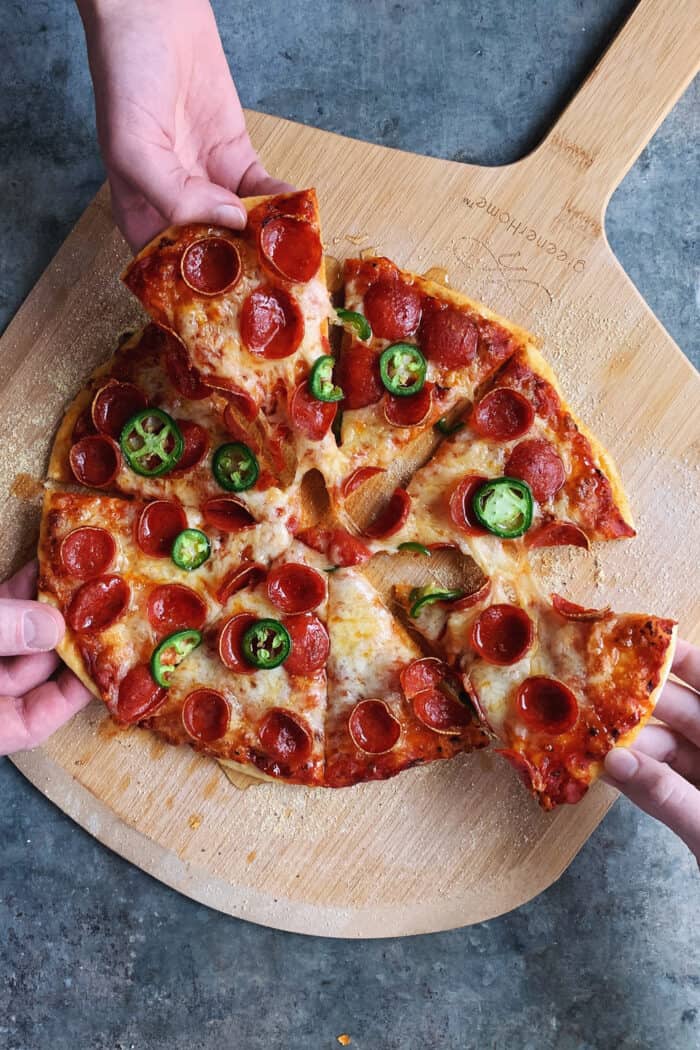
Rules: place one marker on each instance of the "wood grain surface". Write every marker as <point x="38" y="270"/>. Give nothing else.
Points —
<point x="456" y="842"/>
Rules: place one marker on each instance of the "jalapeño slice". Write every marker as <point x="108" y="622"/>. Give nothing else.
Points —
<point x="357" y="322"/>
<point x="235" y="467"/>
<point x="321" y="382"/>
<point x="152" y="442"/>
<point x="266" y="644"/>
<point x="190" y="549"/>
<point x="504" y="507"/>
<point x="416" y="548"/>
<point x="402" y="368"/>
<point x="422" y="596"/>
<point x="168" y="656"/>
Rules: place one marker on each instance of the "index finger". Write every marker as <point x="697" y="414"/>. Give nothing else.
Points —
<point x="686" y="663"/>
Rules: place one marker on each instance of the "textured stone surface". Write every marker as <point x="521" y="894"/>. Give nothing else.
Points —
<point x="96" y="955"/>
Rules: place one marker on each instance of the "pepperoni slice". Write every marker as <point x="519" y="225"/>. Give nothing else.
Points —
<point x="373" y="728"/>
<point x="310" y="644"/>
<point x="173" y="607"/>
<point x="536" y="461"/>
<point x="211" y="266"/>
<point x="196" y="446"/>
<point x="98" y="603"/>
<point x="184" y="376"/>
<point x="357" y="374"/>
<point x="392" y="307"/>
<point x="139" y="695"/>
<point x="392" y="518"/>
<point x="461" y="505"/>
<point x="95" y="460"/>
<point x="114" y="404"/>
<point x="227" y="514"/>
<point x="205" y="715"/>
<point x="285" y="737"/>
<point x="312" y="417"/>
<point x="440" y="711"/>
<point x="547" y="705"/>
<point x="572" y="611"/>
<point x="503" y="414"/>
<point x="295" y="588"/>
<point x="247" y="574"/>
<point x="448" y="336"/>
<point x="345" y="549"/>
<point x="87" y="551"/>
<point x="358" y="478"/>
<point x="475" y="598"/>
<point x="291" y="247"/>
<point x="557" y="534"/>
<point x="409" y="411"/>
<point x="243" y="402"/>
<point x="230" y="639"/>
<point x="83" y="426"/>
<point x="160" y="522"/>
<point x="271" y="323"/>
<point x="422" y="674"/>
<point x="502" y="634"/>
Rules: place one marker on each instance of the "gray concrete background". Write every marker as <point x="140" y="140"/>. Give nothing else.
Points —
<point x="95" y="955"/>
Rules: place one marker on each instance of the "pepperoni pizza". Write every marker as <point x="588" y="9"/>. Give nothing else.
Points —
<point x="201" y="603"/>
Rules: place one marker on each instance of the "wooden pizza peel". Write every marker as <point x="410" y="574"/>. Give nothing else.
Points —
<point x="457" y="842"/>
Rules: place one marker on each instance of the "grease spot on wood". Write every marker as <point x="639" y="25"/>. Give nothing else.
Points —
<point x="195" y="821"/>
<point x="251" y="857"/>
<point x="210" y="788"/>
<point x="27" y="488"/>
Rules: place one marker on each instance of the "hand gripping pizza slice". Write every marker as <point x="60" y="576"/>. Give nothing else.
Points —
<point x="251" y="309"/>
<point x="557" y="684"/>
<point x="413" y="350"/>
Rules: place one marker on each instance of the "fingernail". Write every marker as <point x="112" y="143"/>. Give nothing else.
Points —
<point x="229" y="215"/>
<point x="40" y="630"/>
<point x="621" y="764"/>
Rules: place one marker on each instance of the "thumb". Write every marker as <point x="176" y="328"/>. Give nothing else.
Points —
<point x="659" y="791"/>
<point x="28" y="627"/>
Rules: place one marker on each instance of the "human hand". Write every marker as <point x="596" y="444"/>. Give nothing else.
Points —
<point x="661" y="773"/>
<point x="32" y="708"/>
<point x="169" y="121"/>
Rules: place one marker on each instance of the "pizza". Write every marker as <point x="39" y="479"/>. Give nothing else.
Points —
<point x="208" y="601"/>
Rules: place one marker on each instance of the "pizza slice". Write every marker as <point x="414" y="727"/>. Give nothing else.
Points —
<point x="413" y="350"/>
<point x="558" y="685"/>
<point x="388" y="707"/>
<point x="251" y="309"/>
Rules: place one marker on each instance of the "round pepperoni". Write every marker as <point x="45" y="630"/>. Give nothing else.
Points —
<point x="358" y="478"/>
<point x="312" y="417"/>
<point x="271" y="323"/>
<point x="345" y="549"/>
<point x="310" y="644"/>
<point x="211" y="266"/>
<point x="502" y="414"/>
<point x="440" y="710"/>
<point x="285" y="737"/>
<point x="448" y="336"/>
<point x="392" y="518"/>
<point x="572" y="611"/>
<point x="557" y="534"/>
<point x="83" y="426"/>
<point x="242" y="402"/>
<point x="206" y="715"/>
<point x="227" y="514"/>
<point x="114" y="405"/>
<point x="88" y="551"/>
<point x="98" y="603"/>
<point x="159" y="524"/>
<point x="290" y="247"/>
<point x="139" y="695"/>
<point x="422" y="674"/>
<point x="248" y="574"/>
<point x="409" y="411"/>
<point x="196" y="447"/>
<point x="95" y="460"/>
<point x="392" y="307"/>
<point x="295" y="588"/>
<point x="547" y="705"/>
<point x="230" y="643"/>
<point x="184" y="376"/>
<point x="357" y="374"/>
<point x="536" y="462"/>
<point x="502" y="634"/>
<point x="461" y="505"/>
<point x="373" y="728"/>
<point x="173" y="607"/>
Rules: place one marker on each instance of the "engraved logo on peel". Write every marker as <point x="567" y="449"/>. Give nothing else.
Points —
<point x="503" y="273"/>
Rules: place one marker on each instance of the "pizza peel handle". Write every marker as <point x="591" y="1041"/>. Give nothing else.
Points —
<point x="620" y="105"/>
